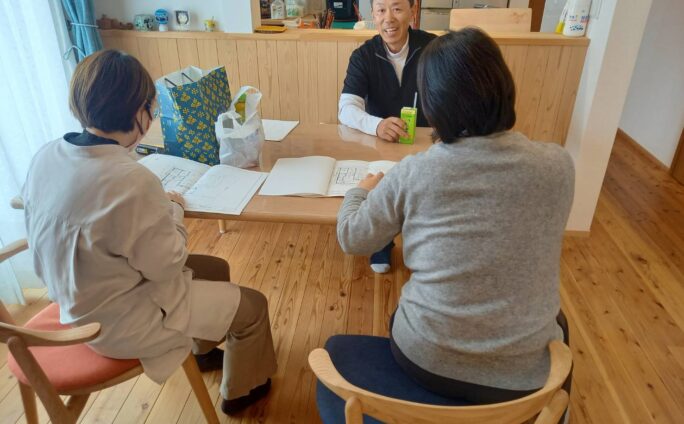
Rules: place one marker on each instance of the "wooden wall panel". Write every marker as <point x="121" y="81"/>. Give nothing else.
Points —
<point x="267" y="57"/>
<point x="569" y="93"/>
<point x="307" y="71"/>
<point x="344" y="51"/>
<point x="328" y="94"/>
<point x="302" y="78"/>
<point x="188" y="54"/>
<point x="529" y="91"/>
<point x="113" y="43"/>
<point x="515" y="57"/>
<point x="149" y="56"/>
<point x="168" y="55"/>
<point x="287" y="85"/>
<point x="228" y="57"/>
<point x="208" y="57"/>
<point x="248" y="64"/>
<point x="125" y="44"/>
<point x="549" y="104"/>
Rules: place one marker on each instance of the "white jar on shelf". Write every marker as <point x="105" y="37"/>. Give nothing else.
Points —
<point x="278" y="9"/>
<point x="577" y="18"/>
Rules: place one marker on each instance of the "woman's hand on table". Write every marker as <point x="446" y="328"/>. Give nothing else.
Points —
<point x="370" y="181"/>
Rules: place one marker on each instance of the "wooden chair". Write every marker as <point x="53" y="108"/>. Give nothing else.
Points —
<point x="547" y="405"/>
<point x="51" y="359"/>
<point x="492" y="19"/>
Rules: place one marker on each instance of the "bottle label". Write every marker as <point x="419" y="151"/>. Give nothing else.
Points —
<point x="409" y="116"/>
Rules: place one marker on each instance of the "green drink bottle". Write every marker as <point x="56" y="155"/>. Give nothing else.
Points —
<point x="409" y="115"/>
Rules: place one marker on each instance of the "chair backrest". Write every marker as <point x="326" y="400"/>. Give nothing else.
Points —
<point x="19" y="339"/>
<point x="360" y="401"/>
<point x="6" y="253"/>
<point x="492" y="19"/>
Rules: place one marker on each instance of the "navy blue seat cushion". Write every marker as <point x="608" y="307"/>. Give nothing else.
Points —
<point x="367" y="362"/>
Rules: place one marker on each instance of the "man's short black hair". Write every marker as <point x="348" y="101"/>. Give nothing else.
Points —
<point x="465" y="87"/>
<point x="411" y="2"/>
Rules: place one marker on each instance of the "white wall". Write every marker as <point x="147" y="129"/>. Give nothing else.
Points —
<point x="223" y="11"/>
<point x="616" y="30"/>
<point x="654" y="110"/>
<point x="552" y="12"/>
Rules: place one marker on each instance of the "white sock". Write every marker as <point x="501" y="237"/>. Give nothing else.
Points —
<point x="380" y="268"/>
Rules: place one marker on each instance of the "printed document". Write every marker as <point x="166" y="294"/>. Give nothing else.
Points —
<point x="219" y="189"/>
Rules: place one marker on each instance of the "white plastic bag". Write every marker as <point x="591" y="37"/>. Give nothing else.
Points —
<point x="240" y="140"/>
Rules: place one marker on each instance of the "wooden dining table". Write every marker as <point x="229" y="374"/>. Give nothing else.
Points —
<point x="336" y="141"/>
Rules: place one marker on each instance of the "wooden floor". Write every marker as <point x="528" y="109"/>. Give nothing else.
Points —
<point x="622" y="291"/>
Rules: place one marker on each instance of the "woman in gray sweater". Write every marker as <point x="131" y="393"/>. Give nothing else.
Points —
<point x="482" y="214"/>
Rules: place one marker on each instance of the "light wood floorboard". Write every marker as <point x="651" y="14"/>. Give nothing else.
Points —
<point x="622" y="289"/>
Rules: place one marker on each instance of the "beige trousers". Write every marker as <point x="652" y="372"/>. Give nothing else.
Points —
<point x="249" y="356"/>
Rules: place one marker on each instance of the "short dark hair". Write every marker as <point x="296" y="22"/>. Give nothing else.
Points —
<point x="411" y="2"/>
<point x="107" y="90"/>
<point x="465" y="87"/>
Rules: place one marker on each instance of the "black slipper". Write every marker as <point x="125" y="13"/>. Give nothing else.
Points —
<point x="233" y="406"/>
<point x="210" y="361"/>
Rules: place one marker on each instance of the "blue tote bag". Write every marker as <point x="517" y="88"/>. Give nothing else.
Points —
<point x="190" y="100"/>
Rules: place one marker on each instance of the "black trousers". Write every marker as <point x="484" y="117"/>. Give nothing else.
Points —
<point x="474" y="393"/>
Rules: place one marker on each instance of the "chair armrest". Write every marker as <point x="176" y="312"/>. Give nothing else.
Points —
<point x="12" y="249"/>
<point x="552" y="412"/>
<point x="70" y="336"/>
<point x="323" y="367"/>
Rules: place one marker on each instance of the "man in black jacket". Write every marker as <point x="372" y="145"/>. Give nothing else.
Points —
<point x="381" y="79"/>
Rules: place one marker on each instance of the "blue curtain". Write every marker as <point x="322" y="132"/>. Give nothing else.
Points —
<point x="83" y="31"/>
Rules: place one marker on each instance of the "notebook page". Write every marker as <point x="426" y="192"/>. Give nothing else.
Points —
<point x="348" y="173"/>
<point x="176" y="174"/>
<point x="307" y="176"/>
<point x="380" y="166"/>
<point x="224" y="189"/>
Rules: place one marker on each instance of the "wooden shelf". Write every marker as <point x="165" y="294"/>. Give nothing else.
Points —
<point x="529" y="39"/>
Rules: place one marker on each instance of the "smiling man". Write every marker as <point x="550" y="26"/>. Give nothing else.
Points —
<point x="381" y="77"/>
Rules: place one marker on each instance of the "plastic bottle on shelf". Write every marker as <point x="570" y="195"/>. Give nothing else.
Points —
<point x="577" y="18"/>
<point x="293" y="9"/>
<point x="278" y="9"/>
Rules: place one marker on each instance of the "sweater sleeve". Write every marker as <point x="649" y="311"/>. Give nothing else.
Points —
<point x="368" y="221"/>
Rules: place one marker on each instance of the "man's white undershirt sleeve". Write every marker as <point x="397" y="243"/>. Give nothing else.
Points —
<point x="352" y="113"/>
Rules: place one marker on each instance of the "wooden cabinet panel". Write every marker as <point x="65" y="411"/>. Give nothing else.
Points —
<point x="301" y="74"/>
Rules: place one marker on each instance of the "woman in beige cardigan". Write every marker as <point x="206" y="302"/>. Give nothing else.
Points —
<point x="111" y="246"/>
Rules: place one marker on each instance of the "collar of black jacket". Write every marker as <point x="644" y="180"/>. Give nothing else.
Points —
<point x="414" y="39"/>
<point x="87" y="138"/>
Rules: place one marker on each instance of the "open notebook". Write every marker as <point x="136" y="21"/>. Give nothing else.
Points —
<point x="220" y="188"/>
<point x="314" y="176"/>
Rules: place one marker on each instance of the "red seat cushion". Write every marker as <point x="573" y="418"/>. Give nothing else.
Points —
<point x="69" y="367"/>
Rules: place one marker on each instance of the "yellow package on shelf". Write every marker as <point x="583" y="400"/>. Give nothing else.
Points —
<point x="270" y="29"/>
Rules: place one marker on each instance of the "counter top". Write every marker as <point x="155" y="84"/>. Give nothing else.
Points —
<point x="529" y="38"/>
